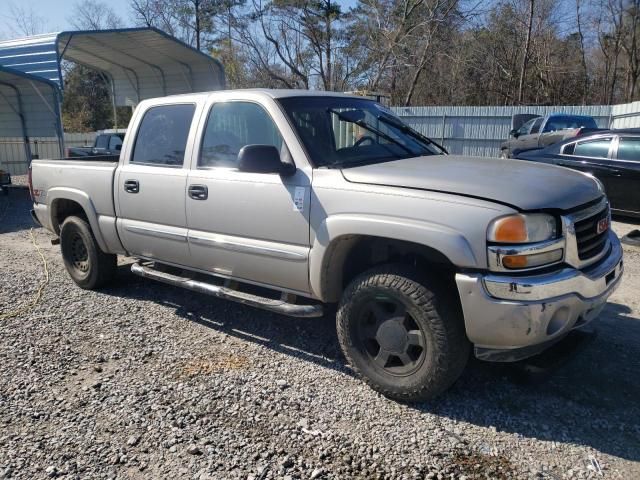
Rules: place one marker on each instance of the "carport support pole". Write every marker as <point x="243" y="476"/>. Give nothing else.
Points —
<point x="113" y="102"/>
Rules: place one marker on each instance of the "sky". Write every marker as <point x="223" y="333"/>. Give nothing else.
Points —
<point x="56" y="13"/>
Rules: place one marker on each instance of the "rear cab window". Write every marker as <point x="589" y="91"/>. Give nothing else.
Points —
<point x="161" y="139"/>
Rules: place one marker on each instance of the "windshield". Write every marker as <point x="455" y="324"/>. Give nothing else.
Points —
<point x="343" y="132"/>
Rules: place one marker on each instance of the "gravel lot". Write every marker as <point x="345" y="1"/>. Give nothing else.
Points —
<point x="143" y="380"/>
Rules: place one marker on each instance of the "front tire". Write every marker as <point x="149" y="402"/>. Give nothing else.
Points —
<point x="88" y="266"/>
<point x="403" y="339"/>
<point x="504" y="154"/>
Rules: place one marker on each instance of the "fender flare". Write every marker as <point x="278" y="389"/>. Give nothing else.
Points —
<point x="82" y="199"/>
<point x="447" y="241"/>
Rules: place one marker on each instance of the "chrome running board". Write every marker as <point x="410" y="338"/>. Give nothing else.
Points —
<point x="277" y="306"/>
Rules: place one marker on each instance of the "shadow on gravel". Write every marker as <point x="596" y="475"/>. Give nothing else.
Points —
<point x="14" y="211"/>
<point x="590" y="398"/>
<point x="310" y="339"/>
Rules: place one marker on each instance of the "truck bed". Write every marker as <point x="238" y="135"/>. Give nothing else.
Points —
<point x="87" y="177"/>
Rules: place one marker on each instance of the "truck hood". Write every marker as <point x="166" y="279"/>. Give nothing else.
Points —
<point x="521" y="184"/>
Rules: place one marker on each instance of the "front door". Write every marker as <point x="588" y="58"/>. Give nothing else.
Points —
<point x="247" y="226"/>
<point x="151" y="186"/>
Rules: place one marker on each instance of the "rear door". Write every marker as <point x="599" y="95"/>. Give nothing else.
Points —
<point x="151" y="184"/>
<point x="625" y="178"/>
<point x="590" y="156"/>
<point x="242" y="225"/>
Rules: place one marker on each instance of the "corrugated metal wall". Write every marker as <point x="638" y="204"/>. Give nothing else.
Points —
<point x="479" y="131"/>
<point x="12" y="153"/>
<point x="626" y="115"/>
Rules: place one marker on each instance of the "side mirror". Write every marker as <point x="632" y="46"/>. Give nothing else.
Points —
<point x="514" y="133"/>
<point x="118" y="147"/>
<point x="263" y="159"/>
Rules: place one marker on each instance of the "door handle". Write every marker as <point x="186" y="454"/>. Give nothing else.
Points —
<point x="131" y="186"/>
<point x="198" y="192"/>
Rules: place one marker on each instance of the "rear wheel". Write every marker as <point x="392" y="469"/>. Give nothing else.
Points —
<point x="87" y="265"/>
<point x="504" y="153"/>
<point x="404" y="340"/>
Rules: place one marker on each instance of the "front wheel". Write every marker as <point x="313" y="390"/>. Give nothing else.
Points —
<point x="504" y="154"/>
<point x="87" y="265"/>
<point x="404" y="340"/>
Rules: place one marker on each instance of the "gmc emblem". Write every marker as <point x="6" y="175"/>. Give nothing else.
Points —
<point x="603" y="224"/>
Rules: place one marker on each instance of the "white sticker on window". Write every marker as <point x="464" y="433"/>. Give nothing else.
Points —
<point x="298" y="199"/>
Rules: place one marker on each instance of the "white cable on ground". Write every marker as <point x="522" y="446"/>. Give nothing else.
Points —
<point x="28" y="307"/>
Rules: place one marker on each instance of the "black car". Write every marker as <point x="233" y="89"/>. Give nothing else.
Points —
<point x="613" y="156"/>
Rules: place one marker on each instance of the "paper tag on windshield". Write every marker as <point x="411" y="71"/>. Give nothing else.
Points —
<point x="298" y="199"/>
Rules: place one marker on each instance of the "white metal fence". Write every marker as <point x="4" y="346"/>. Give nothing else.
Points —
<point x="13" y="156"/>
<point x="479" y="131"/>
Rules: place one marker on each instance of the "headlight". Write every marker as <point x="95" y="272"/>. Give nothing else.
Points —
<point x="524" y="241"/>
<point x="533" y="227"/>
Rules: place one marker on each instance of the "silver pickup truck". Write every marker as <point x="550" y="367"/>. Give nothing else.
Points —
<point x="294" y="201"/>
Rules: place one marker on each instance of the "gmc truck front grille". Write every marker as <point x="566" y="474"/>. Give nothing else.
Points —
<point x="590" y="241"/>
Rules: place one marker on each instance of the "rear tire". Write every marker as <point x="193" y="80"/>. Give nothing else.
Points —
<point x="403" y="339"/>
<point x="87" y="265"/>
<point x="504" y="154"/>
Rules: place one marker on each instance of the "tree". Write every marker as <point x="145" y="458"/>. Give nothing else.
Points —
<point x="24" y="21"/>
<point x="94" y="15"/>
<point x="86" y="106"/>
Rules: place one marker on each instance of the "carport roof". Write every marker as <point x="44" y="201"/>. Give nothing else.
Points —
<point x="140" y="62"/>
<point x="28" y="105"/>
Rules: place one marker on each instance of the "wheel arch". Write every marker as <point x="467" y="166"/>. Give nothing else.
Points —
<point x="339" y="254"/>
<point x="67" y="202"/>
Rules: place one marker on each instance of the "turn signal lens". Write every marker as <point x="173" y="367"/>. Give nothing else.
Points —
<point x="514" y="262"/>
<point x="522" y="228"/>
<point x="510" y="230"/>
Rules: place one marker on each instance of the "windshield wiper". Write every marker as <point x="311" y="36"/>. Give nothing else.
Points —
<point x="409" y="131"/>
<point x="374" y="130"/>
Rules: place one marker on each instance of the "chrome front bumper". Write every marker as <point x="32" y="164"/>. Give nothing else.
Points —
<point x="511" y="317"/>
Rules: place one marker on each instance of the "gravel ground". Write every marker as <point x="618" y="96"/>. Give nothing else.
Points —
<point x="143" y="380"/>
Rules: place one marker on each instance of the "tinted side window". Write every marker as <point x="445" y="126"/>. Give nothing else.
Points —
<point x="524" y="129"/>
<point x="162" y="135"/>
<point x="101" y="141"/>
<point x="114" y="141"/>
<point x="536" y="125"/>
<point x="231" y="126"/>
<point x="593" y="148"/>
<point x="629" y="149"/>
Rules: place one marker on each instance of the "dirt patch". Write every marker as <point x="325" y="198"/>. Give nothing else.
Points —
<point x="209" y="366"/>
<point x="475" y="465"/>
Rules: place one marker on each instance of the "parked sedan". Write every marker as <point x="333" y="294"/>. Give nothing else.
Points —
<point x="613" y="156"/>
<point x="5" y="181"/>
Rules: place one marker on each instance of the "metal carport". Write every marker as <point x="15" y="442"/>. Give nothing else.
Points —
<point x="29" y="107"/>
<point x="139" y="63"/>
